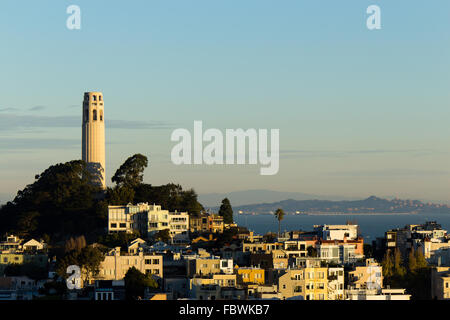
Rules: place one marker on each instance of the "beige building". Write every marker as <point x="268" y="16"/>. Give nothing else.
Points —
<point x="208" y="266"/>
<point x="440" y="283"/>
<point x="369" y="276"/>
<point x="206" y="223"/>
<point x="215" y="287"/>
<point x="93" y="135"/>
<point x="308" y="283"/>
<point x="116" y="264"/>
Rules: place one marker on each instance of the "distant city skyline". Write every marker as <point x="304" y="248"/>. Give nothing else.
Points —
<point x="360" y="112"/>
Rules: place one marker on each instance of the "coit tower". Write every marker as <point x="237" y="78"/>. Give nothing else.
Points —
<point x="93" y="140"/>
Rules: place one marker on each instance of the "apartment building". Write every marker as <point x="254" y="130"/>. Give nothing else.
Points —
<point x="215" y="287"/>
<point x="261" y="247"/>
<point x="338" y="252"/>
<point x="147" y="220"/>
<point x="250" y="275"/>
<point x="179" y="227"/>
<point x="116" y="264"/>
<point x="307" y="283"/>
<point x="336" y="290"/>
<point x="337" y="232"/>
<point x="208" y="265"/>
<point x="368" y="276"/>
<point x="440" y="283"/>
<point x="206" y="223"/>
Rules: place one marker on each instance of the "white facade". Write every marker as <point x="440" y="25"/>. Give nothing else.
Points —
<point x="148" y="219"/>
<point x="373" y="294"/>
<point x="338" y="232"/>
<point x="179" y="227"/>
<point x="336" y="283"/>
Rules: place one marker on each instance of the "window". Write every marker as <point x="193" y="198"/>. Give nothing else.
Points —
<point x="148" y="261"/>
<point x="94" y="115"/>
<point x="113" y="225"/>
<point x="123" y="225"/>
<point x="94" y="97"/>
<point x="101" y="115"/>
<point x="155" y="261"/>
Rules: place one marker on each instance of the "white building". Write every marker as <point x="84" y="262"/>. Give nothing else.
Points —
<point x="336" y="283"/>
<point x="337" y="232"/>
<point x="179" y="227"/>
<point x="148" y="219"/>
<point x="374" y="294"/>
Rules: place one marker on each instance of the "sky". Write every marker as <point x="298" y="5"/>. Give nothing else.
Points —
<point x="360" y="112"/>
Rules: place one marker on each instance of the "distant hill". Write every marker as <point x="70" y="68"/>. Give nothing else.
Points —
<point x="370" y="205"/>
<point x="246" y="197"/>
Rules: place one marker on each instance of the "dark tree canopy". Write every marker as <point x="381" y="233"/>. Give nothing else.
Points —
<point x="131" y="172"/>
<point x="226" y="211"/>
<point x="62" y="201"/>
<point x="170" y="196"/>
<point x="136" y="282"/>
<point x="88" y="259"/>
<point x="162" y="235"/>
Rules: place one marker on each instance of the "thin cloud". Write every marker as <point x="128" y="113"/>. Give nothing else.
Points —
<point x="8" y="109"/>
<point x="45" y="143"/>
<point x="36" y="108"/>
<point x="294" y="154"/>
<point x="389" y="173"/>
<point x="9" y="122"/>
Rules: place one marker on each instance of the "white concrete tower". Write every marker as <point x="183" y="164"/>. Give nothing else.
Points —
<point x="93" y="141"/>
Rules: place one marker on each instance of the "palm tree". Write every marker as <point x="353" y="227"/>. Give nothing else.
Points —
<point x="279" y="214"/>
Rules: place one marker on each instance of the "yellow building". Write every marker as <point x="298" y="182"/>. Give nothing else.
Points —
<point x="7" y="258"/>
<point x="250" y="275"/>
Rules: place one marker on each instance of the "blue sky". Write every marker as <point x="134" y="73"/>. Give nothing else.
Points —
<point x="360" y="112"/>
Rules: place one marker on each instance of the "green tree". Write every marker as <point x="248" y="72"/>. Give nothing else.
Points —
<point x="412" y="263"/>
<point x="131" y="172"/>
<point x="61" y="201"/>
<point x="420" y="259"/>
<point x="279" y="215"/>
<point x="170" y="196"/>
<point x="136" y="282"/>
<point x="120" y="239"/>
<point x="388" y="265"/>
<point x="312" y="252"/>
<point x="120" y="195"/>
<point x="162" y="235"/>
<point x="368" y="250"/>
<point x="226" y="211"/>
<point x="88" y="259"/>
<point x="399" y="269"/>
